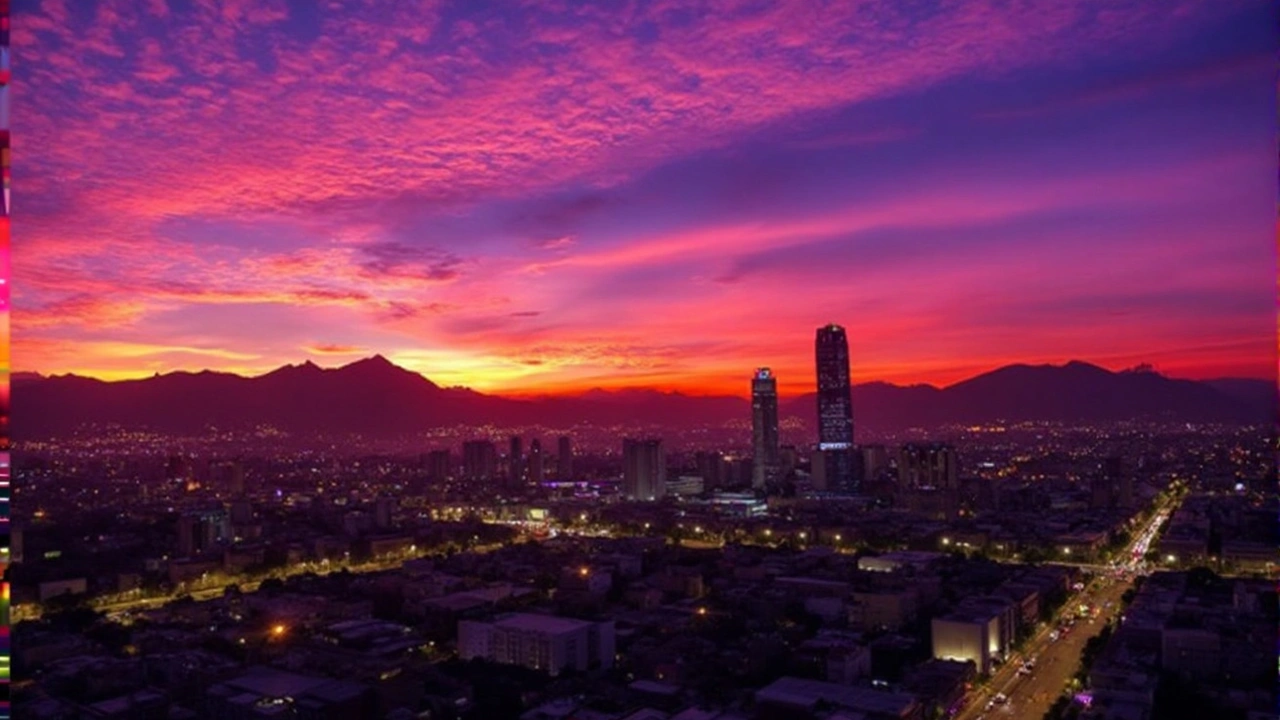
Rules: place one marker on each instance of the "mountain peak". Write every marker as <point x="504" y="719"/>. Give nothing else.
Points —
<point x="378" y="367"/>
<point x="376" y="361"/>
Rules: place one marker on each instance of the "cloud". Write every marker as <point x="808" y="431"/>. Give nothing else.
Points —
<point x="414" y="175"/>
<point x="335" y="349"/>
<point x="559" y="243"/>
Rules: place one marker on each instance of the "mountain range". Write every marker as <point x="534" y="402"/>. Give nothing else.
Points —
<point x="374" y="397"/>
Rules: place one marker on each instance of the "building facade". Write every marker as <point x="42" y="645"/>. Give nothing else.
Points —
<point x="564" y="458"/>
<point x="835" y="408"/>
<point x="644" y="469"/>
<point x="479" y="460"/>
<point x="539" y="642"/>
<point x="764" y="427"/>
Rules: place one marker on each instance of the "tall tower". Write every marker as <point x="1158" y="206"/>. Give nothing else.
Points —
<point x="479" y="460"/>
<point x="515" y="463"/>
<point x="835" y="407"/>
<point x="535" y="462"/>
<point x="644" y="469"/>
<point x="564" y="458"/>
<point x="764" y="427"/>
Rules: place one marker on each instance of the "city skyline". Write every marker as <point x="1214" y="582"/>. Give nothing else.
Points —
<point x="580" y="200"/>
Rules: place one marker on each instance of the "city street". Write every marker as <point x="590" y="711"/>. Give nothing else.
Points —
<point x="1056" y="661"/>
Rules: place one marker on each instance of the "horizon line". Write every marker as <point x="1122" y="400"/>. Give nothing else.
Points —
<point x="517" y="393"/>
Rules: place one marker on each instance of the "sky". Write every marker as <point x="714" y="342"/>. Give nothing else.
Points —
<point x="550" y="196"/>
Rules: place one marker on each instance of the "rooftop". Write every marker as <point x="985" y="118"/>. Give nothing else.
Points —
<point x="527" y="622"/>
<point x="795" y="691"/>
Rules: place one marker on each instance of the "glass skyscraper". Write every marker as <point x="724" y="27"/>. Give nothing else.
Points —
<point x="835" y="407"/>
<point x="764" y="427"/>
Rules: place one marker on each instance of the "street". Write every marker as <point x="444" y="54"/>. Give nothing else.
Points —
<point x="1030" y="695"/>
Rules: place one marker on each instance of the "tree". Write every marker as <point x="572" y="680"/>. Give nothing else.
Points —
<point x="271" y="585"/>
<point x="1034" y="555"/>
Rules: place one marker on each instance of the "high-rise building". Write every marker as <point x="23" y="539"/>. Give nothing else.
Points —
<point x="711" y="469"/>
<point x="875" y="460"/>
<point x="537" y="463"/>
<point x="764" y="427"/>
<point x="927" y="466"/>
<point x="788" y="459"/>
<point x="479" y="460"/>
<point x="818" y="470"/>
<point x="644" y="469"/>
<point x="515" y="463"/>
<point x="438" y="462"/>
<point x="199" y="531"/>
<point x="835" y="407"/>
<point x="384" y="510"/>
<point x="564" y="458"/>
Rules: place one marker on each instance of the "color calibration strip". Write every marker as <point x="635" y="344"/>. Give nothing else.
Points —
<point x="5" y="490"/>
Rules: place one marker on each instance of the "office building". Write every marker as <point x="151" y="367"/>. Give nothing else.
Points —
<point x="438" y="465"/>
<point x="199" y="532"/>
<point x="875" y="461"/>
<point x="537" y="463"/>
<point x="818" y="470"/>
<point x="479" y="460"/>
<point x="539" y="642"/>
<point x="564" y="458"/>
<point x="515" y="463"/>
<point x="835" y="408"/>
<point x="384" y="510"/>
<point x="764" y="427"/>
<point x="644" y="469"/>
<point x="927" y="466"/>
<point x="711" y="468"/>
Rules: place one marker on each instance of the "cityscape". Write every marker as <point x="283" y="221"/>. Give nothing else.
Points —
<point x="658" y="361"/>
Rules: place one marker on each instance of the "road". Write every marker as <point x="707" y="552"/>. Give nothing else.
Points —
<point x="1056" y="661"/>
<point x="118" y="608"/>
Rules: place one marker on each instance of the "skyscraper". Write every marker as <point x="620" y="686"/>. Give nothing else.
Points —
<point x="564" y="458"/>
<point x="644" y="469"/>
<point x="515" y="463"/>
<point x="479" y="460"/>
<point x="535" y="462"/>
<point x="835" y="407"/>
<point x="764" y="427"/>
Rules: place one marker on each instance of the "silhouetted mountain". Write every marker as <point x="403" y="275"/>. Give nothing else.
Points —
<point x="1075" y="392"/>
<point x="375" y="397"/>
<point x="1260" y="396"/>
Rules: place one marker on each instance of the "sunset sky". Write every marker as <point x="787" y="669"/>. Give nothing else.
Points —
<point x="550" y="196"/>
